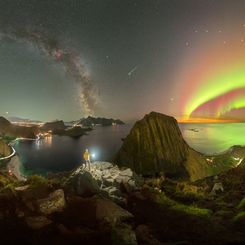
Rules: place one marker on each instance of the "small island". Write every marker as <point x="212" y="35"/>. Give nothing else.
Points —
<point x="98" y="121"/>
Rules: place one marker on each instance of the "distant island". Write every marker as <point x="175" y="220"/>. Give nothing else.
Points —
<point x="93" y="121"/>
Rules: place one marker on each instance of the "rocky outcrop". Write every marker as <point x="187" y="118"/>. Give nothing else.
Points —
<point x="109" y="212"/>
<point x="154" y="145"/>
<point x="103" y="177"/>
<point x="82" y="183"/>
<point x="55" y="202"/>
<point x="37" y="222"/>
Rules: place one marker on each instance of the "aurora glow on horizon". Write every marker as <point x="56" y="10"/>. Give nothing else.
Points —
<point x="219" y="95"/>
<point x="217" y="83"/>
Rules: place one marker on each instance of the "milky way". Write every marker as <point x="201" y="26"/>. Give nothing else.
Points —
<point x="69" y="58"/>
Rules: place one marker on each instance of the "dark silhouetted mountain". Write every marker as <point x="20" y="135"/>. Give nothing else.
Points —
<point x="9" y="129"/>
<point x="53" y="126"/>
<point x="91" y="121"/>
<point x="22" y="120"/>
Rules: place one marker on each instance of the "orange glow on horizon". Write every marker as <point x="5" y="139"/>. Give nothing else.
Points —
<point x="208" y="120"/>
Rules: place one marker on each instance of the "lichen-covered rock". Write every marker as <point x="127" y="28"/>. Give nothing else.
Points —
<point x="55" y="202"/>
<point x="145" y="236"/>
<point x="103" y="177"/>
<point x="123" y="235"/>
<point x="37" y="222"/>
<point x="82" y="183"/>
<point x="109" y="212"/>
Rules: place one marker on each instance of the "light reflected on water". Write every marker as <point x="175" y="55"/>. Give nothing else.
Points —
<point x="45" y="142"/>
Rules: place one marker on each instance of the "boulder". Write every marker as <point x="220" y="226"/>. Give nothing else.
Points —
<point x="37" y="222"/>
<point x="22" y="188"/>
<point x="145" y="236"/>
<point x="82" y="183"/>
<point x="55" y="202"/>
<point x="124" y="235"/>
<point x="218" y="187"/>
<point x="109" y="212"/>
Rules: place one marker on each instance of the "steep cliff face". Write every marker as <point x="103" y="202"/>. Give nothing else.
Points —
<point x="154" y="144"/>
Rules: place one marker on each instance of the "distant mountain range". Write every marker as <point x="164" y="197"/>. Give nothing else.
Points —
<point x="22" y="120"/>
<point x="92" y="121"/>
<point x="9" y="129"/>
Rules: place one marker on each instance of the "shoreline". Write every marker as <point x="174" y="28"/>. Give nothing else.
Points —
<point x="14" y="165"/>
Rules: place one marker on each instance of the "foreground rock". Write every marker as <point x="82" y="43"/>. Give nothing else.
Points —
<point x="108" y="211"/>
<point x="37" y="222"/>
<point x="82" y="183"/>
<point x="103" y="177"/>
<point x="55" y="202"/>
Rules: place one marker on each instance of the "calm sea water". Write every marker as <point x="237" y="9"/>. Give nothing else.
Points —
<point x="62" y="153"/>
<point x="57" y="153"/>
<point x="214" y="137"/>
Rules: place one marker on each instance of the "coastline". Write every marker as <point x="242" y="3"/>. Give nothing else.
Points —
<point x="14" y="166"/>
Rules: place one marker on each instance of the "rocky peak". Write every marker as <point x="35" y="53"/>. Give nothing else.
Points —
<point x="154" y="144"/>
<point x="4" y="122"/>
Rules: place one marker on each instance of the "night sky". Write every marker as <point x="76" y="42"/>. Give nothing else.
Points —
<point x="122" y="59"/>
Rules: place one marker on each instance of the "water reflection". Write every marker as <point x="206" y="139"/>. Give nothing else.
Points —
<point x="45" y="142"/>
